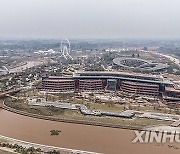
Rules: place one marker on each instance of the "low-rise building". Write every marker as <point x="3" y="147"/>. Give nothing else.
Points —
<point x="145" y="85"/>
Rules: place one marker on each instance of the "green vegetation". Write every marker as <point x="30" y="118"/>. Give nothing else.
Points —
<point x="56" y="113"/>
<point x="170" y="50"/>
<point x="19" y="149"/>
<point x="55" y="132"/>
<point x="138" y="54"/>
<point x="65" y="114"/>
<point x="53" y="152"/>
<point x="94" y="67"/>
<point x="47" y="111"/>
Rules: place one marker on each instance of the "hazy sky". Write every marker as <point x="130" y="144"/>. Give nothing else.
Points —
<point x="90" y="18"/>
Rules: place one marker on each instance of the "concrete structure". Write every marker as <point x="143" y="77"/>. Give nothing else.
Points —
<point x="140" y="88"/>
<point x="138" y="84"/>
<point x="82" y="108"/>
<point x="171" y="94"/>
<point x="139" y="64"/>
<point x="65" y="49"/>
<point x="89" y="85"/>
<point x="58" y="84"/>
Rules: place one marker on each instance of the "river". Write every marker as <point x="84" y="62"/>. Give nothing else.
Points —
<point x="77" y="136"/>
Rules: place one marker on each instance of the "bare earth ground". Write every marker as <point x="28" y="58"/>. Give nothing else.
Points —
<point x="5" y="151"/>
<point x="76" y="115"/>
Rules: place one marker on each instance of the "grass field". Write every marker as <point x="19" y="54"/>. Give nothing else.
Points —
<point x="76" y="115"/>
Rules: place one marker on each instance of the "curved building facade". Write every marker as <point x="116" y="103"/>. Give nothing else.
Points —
<point x="138" y="84"/>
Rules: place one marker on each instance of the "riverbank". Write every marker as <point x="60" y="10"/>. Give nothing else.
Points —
<point x="74" y="116"/>
<point x="85" y="122"/>
<point x="14" y="144"/>
<point x="77" y="136"/>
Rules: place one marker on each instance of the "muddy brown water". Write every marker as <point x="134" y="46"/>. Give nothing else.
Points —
<point x="83" y="137"/>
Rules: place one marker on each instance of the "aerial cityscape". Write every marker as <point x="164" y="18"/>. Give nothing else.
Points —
<point x="89" y="88"/>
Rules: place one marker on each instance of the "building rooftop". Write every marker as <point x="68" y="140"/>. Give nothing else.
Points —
<point x="121" y="75"/>
<point x="58" y="80"/>
<point x="158" y="77"/>
<point x="139" y="64"/>
<point x="111" y="75"/>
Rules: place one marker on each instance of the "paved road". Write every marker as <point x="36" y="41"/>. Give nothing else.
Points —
<point x="171" y="58"/>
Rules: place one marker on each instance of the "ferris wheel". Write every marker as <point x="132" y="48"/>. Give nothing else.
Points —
<point x="65" y="49"/>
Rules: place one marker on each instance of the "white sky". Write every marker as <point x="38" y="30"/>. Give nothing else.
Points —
<point x="90" y="18"/>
